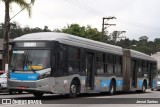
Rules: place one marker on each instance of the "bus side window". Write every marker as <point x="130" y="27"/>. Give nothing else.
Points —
<point x="74" y="59"/>
<point x="100" y="68"/>
<point x="70" y="68"/>
<point x="109" y="61"/>
<point x="140" y="69"/>
<point x="139" y="66"/>
<point x="117" y="65"/>
<point x="62" y="63"/>
<point x="99" y="63"/>
<point x="110" y="69"/>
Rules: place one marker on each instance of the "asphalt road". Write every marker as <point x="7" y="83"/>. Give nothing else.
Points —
<point x="133" y="99"/>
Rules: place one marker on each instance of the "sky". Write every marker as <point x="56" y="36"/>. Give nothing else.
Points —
<point x="136" y="17"/>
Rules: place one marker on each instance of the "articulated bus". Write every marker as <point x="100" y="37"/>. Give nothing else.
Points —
<point x="60" y="63"/>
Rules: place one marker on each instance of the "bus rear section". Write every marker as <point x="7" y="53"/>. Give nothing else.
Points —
<point x="139" y="71"/>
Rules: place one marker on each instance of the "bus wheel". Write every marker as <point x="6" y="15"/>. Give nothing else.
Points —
<point x="38" y="94"/>
<point x="144" y="87"/>
<point x="73" y="89"/>
<point x="112" y="88"/>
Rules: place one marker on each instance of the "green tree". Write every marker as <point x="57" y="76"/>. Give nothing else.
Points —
<point x="75" y="29"/>
<point x="143" y="38"/>
<point x="57" y="30"/>
<point x="114" y="36"/>
<point x="144" y="47"/>
<point x="123" y="43"/>
<point x="82" y="31"/>
<point x="15" y="30"/>
<point x="157" y="43"/>
<point x="46" y="29"/>
<point x="23" y="5"/>
<point x="157" y="40"/>
<point x="92" y="33"/>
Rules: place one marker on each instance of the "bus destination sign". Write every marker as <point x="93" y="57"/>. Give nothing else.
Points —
<point x="30" y="44"/>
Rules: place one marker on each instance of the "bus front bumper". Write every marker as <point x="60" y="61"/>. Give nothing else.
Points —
<point x="30" y="86"/>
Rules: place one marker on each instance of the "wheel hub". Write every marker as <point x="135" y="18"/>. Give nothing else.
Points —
<point x="73" y="89"/>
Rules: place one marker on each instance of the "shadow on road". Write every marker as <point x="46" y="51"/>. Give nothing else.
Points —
<point x="7" y="93"/>
<point x="84" y="98"/>
<point x="99" y="98"/>
<point x="107" y="94"/>
<point x="63" y="97"/>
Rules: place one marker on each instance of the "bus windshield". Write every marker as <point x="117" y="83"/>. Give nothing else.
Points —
<point x="26" y="60"/>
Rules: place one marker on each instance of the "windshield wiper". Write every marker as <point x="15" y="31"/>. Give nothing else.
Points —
<point x="33" y="69"/>
<point x="30" y="65"/>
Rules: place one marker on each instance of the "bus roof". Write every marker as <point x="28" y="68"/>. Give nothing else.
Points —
<point x="71" y="40"/>
<point x="140" y="55"/>
<point x="80" y="42"/>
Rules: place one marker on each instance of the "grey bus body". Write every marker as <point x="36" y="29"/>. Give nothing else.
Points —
<point x="158" y="82"/>
<point x="78" y="65"/>
<point x="157" y="86"/>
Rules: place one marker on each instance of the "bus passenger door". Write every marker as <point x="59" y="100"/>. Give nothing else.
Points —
<point x="90" y="71"/>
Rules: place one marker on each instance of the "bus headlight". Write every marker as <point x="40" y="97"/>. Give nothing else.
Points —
<point x="44" y="75"/>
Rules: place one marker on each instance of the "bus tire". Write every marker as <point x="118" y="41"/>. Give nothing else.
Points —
<point x="38" y="94"/>
<point x="73" y="89"/>
<point x="144" y="87"/>
<point x="112" y="88"/>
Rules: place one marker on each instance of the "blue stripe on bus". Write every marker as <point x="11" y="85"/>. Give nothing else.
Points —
<point x="24" y="76"/>
<point x="104" y="83"/>
<point x="119" y="83"/>
<point x="140" y="83"/>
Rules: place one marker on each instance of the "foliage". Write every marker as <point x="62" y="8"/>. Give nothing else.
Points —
<point x="82" y="31"/>
<point x="145" y="46"/>
<point x="75" y="29"/>
<point x="22" y="4"/>
<point x="143" y="38"/>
